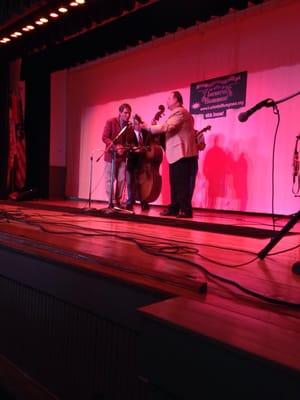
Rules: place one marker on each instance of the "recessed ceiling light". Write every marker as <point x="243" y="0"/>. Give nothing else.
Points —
<point x="54" y="15"/>
<point x="63" y="10"/>
<point x="44" y="20"/>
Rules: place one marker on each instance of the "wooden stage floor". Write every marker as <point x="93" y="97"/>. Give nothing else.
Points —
<point x="179" y="260"/>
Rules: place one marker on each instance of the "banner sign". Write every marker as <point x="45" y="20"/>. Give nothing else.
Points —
<point x="214" y="97"/>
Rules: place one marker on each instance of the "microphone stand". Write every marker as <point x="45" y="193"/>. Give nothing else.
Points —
<point x="289" y="225"/>
<point x="111" y="207"/>
<point x="112" y="176"/>
<point x="291" y="222"/>
<point x="91" y="176"/>
<point x="113" y="141"/>
<point x="287" y="98"/>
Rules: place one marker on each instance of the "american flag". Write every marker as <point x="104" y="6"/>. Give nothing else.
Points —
<point x="17" y="145"/>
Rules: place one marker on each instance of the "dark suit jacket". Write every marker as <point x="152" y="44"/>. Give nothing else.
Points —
<point x="134" y="159"/>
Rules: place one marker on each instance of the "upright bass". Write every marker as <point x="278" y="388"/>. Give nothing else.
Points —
<point x="149" y="178"/>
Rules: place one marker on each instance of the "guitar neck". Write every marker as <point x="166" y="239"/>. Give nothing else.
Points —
<point x="207" y="128"/>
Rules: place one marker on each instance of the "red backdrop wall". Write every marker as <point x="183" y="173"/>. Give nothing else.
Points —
<point x="235" y="168"/>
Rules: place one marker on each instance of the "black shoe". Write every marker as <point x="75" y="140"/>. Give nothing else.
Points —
<point x="129" y="207"/>
<point x="185" y="214"/>
<point x="168" y="213"/>
<point x="145" y="206"/>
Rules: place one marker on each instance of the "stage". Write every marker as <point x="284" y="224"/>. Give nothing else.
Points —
<point x="162" y="279"/>
<point x="100" y="303"/>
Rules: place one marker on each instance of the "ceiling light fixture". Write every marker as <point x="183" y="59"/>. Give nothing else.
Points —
<point x="63" y="10"/>
<point x="42" y="20"/>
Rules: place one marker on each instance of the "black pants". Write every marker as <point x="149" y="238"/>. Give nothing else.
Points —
<point x="182" y="181"/>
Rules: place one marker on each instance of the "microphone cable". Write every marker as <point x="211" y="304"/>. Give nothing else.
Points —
<point x="276" y="112"/>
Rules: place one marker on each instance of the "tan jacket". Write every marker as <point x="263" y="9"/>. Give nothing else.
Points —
<point x="179" y="131"/>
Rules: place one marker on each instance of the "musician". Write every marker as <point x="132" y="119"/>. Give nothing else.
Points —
<point x="139" y="139"/>
<point x="111" y="129"/>
<point x="182" y="155"/>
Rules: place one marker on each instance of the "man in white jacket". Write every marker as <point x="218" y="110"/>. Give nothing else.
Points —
<point x="182" y="155"/>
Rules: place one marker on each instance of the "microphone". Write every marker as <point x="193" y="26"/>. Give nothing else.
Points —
<point x="264" y="103"/>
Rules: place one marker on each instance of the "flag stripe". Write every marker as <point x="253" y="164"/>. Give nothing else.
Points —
<point x="16" y="177"/>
